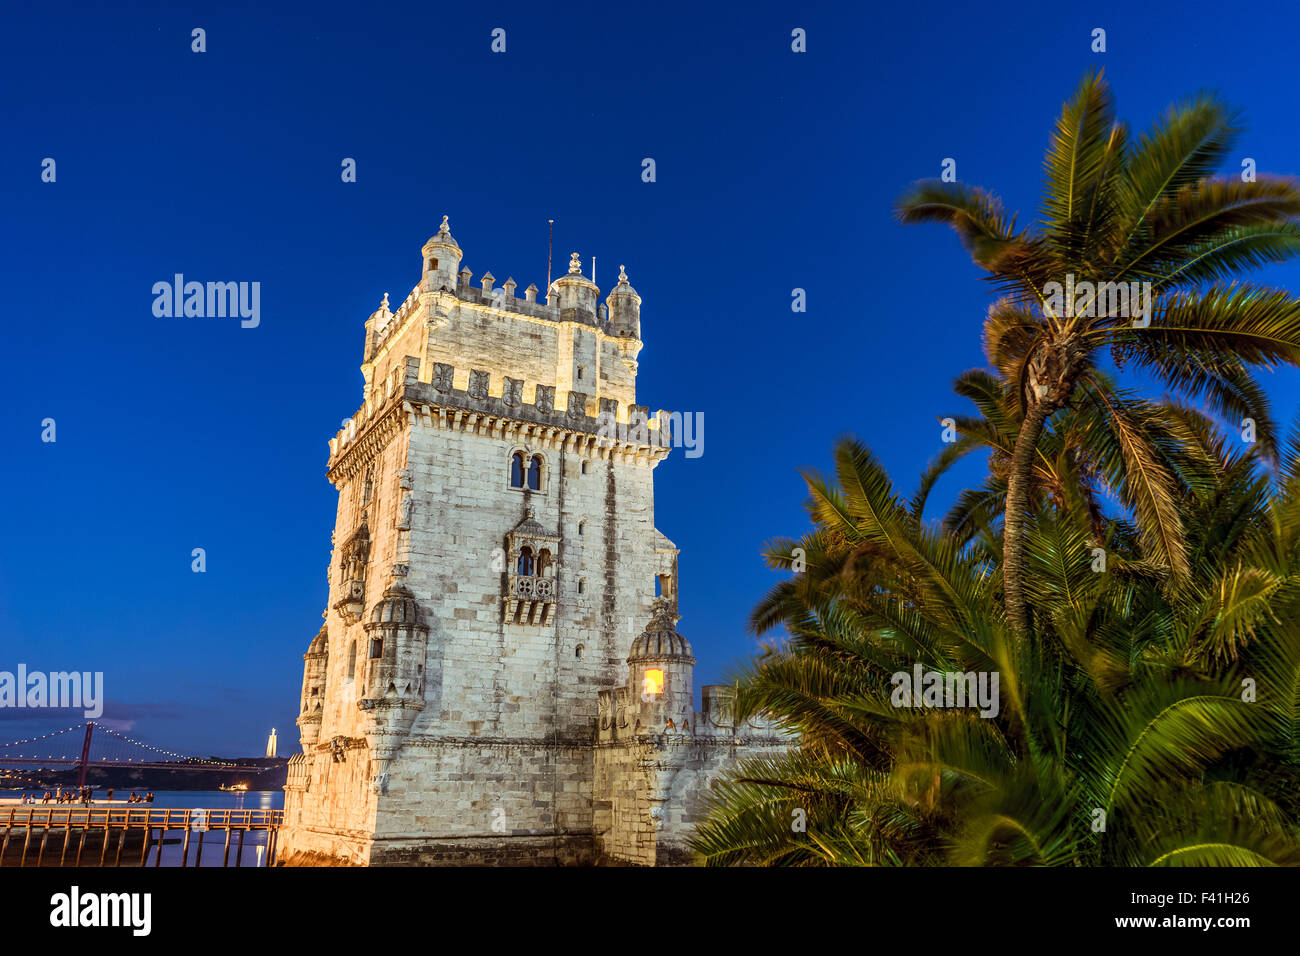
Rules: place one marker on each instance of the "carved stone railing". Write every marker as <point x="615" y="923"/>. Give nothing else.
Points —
<point x="351" y="604"/>
<point x="532" y="588"/>
<point x="530" y="599"/>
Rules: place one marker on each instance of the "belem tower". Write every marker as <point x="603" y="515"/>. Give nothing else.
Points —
<point x="499" y="678"/>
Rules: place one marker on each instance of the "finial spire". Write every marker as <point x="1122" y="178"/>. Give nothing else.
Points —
<point x="622" y="273"/>
<point x="444" y="228"/>
<point x="384" y="305"/>
<point x="575" y="265"/>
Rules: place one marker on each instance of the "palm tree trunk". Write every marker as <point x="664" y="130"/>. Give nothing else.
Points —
<point x="1013" y="525"/>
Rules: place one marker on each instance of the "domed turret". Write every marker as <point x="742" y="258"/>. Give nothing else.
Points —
<point x="441" y="261"/>
<point x="376" y="329"/>
<point x="624" y="309"/>
<point x="314" y="669"/>
<point x="398" y="607"/>
<point x="392" y="686"/>
<point x="575" y="294"/>
<point x="660" y="640"/>
<point x="319" y="645"/>
<point x="660" y="665"/>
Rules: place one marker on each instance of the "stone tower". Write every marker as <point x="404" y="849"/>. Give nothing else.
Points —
<point x="495" y="556"/>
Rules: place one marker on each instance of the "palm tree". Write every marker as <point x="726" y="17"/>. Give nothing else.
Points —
<point x="1108" y="444"/>
<point x="1115" y="212"/>
<point x="1146" y="726"/>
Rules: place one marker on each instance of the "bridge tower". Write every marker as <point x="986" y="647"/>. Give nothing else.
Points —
<point x="85" y="755"/>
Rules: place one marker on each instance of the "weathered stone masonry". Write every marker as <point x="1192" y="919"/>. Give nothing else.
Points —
<point x="496" y="680"/>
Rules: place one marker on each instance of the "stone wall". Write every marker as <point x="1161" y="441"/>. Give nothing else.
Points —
<point x="651" y="783"/>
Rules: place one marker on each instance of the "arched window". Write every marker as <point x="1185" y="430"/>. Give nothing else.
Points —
<point x="376" y="648"/>
<point x="543" y="563"/>
<point x="526" y="561"/>
<point x="352" y="660"/>
<point x="535" y="473"/>
<point x="582" y="527"/>
<point x="517" y="470"/>
<point x="582" y="585"/>
<point x="579" y="651"/>
<point x="584" y="467"/>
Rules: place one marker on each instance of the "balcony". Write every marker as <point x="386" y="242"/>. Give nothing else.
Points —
<point x="352" y="603"/>
<point x="530" y="599"/>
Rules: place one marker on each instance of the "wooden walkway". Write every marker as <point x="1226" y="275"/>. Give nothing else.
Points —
<point x="112" y="832"/>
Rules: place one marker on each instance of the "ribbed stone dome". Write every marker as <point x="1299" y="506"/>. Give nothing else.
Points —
<point x="661" y="639"/>
<point x="442" y="238"/>
<point x="397" y="607"/>
<point x="319" y="643"/>
<point x="624" y="288"/>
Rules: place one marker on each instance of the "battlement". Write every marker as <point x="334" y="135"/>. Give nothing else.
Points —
<point x="571" y="297"/>
<point x="504" y="299"/>
<point x="623" y="717"/>
<point x="609" y="425"/>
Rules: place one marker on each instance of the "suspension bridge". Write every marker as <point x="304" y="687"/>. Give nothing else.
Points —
<point x="94" y="745"/>
<point x="124" y="836"/>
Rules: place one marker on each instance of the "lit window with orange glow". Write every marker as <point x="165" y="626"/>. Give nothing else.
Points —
<point x="654" y="682"/>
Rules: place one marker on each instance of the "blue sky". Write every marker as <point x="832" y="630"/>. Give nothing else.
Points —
<point x="775" y="170"/>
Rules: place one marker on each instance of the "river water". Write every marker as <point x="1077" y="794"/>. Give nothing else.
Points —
<point x="213" y="842"/>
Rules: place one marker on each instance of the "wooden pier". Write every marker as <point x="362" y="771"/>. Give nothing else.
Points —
<point x="89" y="836"/>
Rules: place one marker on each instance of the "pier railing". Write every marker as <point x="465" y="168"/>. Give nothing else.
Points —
<point x="115" y="833"/>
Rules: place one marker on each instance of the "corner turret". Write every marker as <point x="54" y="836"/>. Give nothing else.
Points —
<point x="441" y="261"/>
<point x="575" y="295"/>
<point x="660" y="668"/>
<point x="392" y="684"/>
<point x="375" y="327"/>
<point x="624" y="309"/>
<point x="313" y="689"/>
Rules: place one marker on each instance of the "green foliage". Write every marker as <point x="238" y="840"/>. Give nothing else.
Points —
<point x="1125" y="703"/>
<point x="1149" y="669"/>
<point x="1129" y="230"/>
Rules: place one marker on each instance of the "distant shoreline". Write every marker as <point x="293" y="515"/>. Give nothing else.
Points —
<point x="77" y="804"/>
<point x="126" y="778"/>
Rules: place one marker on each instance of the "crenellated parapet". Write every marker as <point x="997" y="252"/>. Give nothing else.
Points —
<point x="626" y="715"/>
<point x="571" y="298"/>
<point x="498" y="405"/>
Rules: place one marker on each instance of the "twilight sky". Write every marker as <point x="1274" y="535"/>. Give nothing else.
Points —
<point x="775" y="170"/>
